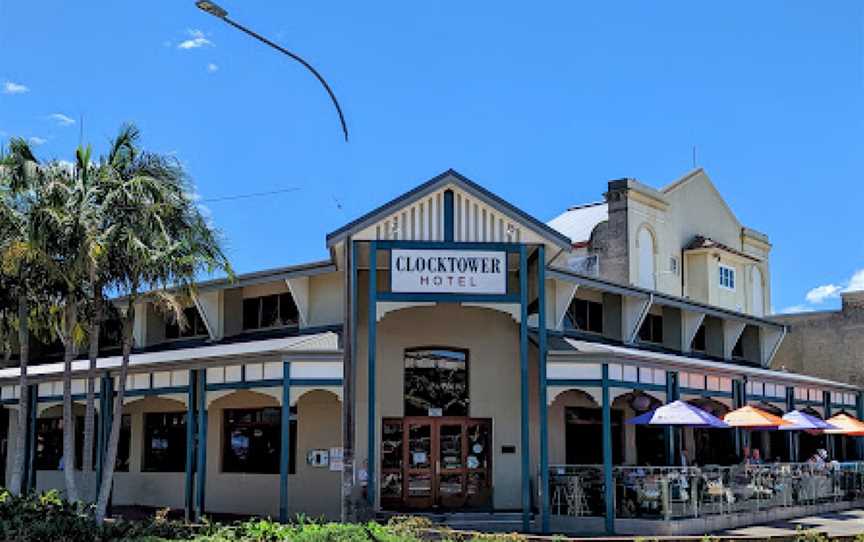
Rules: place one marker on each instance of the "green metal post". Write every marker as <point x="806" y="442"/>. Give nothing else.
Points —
<point x="608" y="480"/>
<point x="285" y="451"/>
<point x="523" y="389"/>
<point x="542" y="392"/>
<point x="372" y="347"/>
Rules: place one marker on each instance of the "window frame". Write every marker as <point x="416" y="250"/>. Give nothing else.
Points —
<point x="570" y="315"/>
<point x="282" y="322"/>
<point x="194" y="322"/>
<point x="730" y="275"/>
<point x="147" y="450"/>
<point x="293" y="428"/>
<point x="654" y="323"/>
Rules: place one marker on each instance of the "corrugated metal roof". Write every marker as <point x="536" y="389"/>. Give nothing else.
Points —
<point x="577" y="223"/>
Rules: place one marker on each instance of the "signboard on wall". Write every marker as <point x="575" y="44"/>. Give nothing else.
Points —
<point x="448" y="271"/>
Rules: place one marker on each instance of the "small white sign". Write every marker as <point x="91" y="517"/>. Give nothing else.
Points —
<point x="448" y="271"/>
<point x="336" y="459"/>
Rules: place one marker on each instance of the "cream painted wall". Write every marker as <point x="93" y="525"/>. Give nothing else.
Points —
<point x="313" y="491"/>
<point x="327" y="299"/>
<point x="491" y="338"/>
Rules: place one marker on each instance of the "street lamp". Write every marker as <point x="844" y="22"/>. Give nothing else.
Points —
<point x="215" y="10"/>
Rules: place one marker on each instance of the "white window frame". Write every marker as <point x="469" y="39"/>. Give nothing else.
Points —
<point x="731" y="276"/>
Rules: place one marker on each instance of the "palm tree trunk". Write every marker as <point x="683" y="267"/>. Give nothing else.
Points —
<point x="90" y="414"/>
<point x="69" y="352"/>
<point x="114" y="436"/>
<point x="18" y="466"/>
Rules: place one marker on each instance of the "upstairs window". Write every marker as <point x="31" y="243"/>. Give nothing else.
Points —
<point x="727" y="277"/>
<point x="652" y="329"/>
<point x="585" y="315"/>
<point x="269" y="311"/>
<point x="194" y="325"/>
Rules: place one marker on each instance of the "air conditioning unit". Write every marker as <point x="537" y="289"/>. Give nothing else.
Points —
<point x="585" y="265"/>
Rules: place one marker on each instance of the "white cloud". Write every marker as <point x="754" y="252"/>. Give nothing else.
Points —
<point x="796" y="308"/>
<point x="196" y="40"/>
<point x="820" y="293"/>
<point x="856" y="282"/>
<point x="37" y="140"/>
<point x="10" y="87"/>
<point x="212" y="68"/>
<point x="62" y="119"/>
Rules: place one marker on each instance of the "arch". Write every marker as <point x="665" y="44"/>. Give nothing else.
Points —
<point x="769" y="408"/>
<point x="244" y="399"/>
<point x="757" y="292"/>
<point x="574" y="397"/>
<point x="298" y="394"/>
<point x="636" y="401"/>
<point x="710" y="405"/>
<point x="646" y="250"/>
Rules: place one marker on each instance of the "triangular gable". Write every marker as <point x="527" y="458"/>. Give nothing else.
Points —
<point x="696" y="177"/>
<point x="479" y="216"/>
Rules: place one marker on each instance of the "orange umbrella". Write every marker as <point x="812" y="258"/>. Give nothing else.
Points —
<point x="748" y="417"/>
<point x="846" y="425"/>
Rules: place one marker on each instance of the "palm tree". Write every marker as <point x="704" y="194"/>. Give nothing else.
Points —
<point x="19" y="173"/>
<point x="158" y="240"/>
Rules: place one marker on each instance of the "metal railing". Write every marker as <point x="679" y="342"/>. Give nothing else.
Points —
<point x="666" y="493"/>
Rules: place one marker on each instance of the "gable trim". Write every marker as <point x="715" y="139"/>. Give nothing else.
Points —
<point x="435" y="183"/>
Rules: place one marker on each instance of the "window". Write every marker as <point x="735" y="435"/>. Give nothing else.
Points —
<point x="652" y="329"/>
<point x="646" y="259"/>
<point x="269" y="311"/>
<point x="252" y="440"/>
<point x="436" y="382"/>
<point x="49" y="443"/>
<point x="757" y="301"/>
<point x="194" y="325"/>
<point x="699" y="340"/>
<point x="164" y="442"/>
<point x="585" y="316"/>
<point x="727" y="277"/>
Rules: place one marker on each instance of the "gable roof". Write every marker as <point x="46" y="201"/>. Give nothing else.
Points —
<point x="697" y="173"/>
<point x="439" y="181"/>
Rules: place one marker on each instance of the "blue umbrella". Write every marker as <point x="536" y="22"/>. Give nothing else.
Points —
<point x="679" y="414"/>
<point x="801" y="421"/>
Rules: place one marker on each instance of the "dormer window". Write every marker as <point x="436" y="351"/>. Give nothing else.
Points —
<point x="585" y="315"/>
<point x="269" y="311"/>
<point x="194" y="325"/>
<point x="727" y="277"/>
<point x="652" y="329"/>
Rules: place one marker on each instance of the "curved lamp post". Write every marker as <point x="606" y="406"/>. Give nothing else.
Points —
<point x="213" y="9"/>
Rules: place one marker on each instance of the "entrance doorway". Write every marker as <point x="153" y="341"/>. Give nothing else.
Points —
<point x="436" y="462"/>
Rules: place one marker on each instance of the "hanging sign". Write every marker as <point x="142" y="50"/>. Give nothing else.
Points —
<point x="448" y="271"/>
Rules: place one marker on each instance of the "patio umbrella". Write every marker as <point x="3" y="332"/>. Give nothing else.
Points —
<point x="844" y="424"/>
<point x="748" y="417"/>
<point x="801" y="421"/>
<point x="679" y="414"/>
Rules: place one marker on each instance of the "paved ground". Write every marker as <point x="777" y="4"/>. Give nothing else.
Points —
<point x="847" y="523"/>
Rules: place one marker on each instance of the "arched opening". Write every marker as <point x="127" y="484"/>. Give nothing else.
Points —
<point x="711" y="446"/>
<point x="771" y="445"/>
<point x="646" y="278"/>
<point x="643" y="444"/>
<point x="809" y="443"/>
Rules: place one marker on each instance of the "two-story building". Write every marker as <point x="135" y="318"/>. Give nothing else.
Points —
<point x="447" y="355"/>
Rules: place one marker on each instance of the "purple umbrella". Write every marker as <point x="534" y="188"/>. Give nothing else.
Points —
<point x="679" y="414"/>
<point x="801" y="421"/>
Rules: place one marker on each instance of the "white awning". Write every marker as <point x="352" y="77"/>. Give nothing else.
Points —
<point x="311" y="345"/>
<point x="592" y="352"/>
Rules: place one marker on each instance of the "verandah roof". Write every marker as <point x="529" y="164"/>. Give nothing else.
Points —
<point x="566" y="349"/>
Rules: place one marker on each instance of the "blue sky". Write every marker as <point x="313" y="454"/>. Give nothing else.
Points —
<point x="540" y="102"/>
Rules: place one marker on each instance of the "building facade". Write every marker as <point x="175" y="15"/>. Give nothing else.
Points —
<point x="828" y="344"/>
<point x="447" y="356"/>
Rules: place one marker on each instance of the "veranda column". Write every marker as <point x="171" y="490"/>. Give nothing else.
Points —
<point x="829" y="439"/>
<point x="738" y="400"/>
<point x="791" y="445"/>
<point x="523" y="389"/>
<point x="285" y="451"/>
<point x="859" y="410"/>
<point x="544" y="417"/>
<point x="371" y="461"/>
<point x="201" y="475"/>
<point x="608" y="480"/>
<point x="672" y="435"/>
<point x="189" y="493"/>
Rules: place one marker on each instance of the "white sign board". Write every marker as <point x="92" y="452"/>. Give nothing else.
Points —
<point x="448" y="271"/>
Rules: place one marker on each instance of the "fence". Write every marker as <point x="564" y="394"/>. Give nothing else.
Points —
<point x="689" y="492"/>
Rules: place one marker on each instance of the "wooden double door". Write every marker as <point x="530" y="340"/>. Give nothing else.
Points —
<point x="436" y="462"/>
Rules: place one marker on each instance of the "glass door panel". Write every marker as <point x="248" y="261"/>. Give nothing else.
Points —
<point x="478" y="463"/>
<point x="451" y="464"/>
<point x="420" y="476"/>
<point x="392" y="462"/>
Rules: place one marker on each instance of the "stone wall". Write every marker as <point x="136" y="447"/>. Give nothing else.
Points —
<point x="827" y="344"/>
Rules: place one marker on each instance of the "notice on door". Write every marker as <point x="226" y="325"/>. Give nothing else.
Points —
<point x="448" y="271"/>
